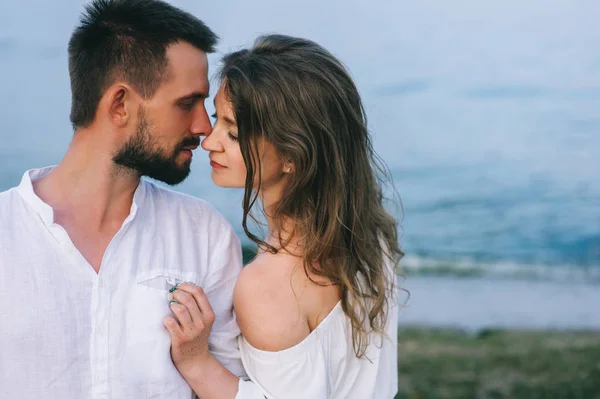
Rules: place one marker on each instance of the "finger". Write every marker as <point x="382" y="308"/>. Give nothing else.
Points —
<point x="187" y="300"/>
<point x="173" y="327"/>
<point x="201" y="299"/>
<point x="182" y="315"/>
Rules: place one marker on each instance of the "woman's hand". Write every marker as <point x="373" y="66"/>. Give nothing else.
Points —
<point x="189" y="328"/>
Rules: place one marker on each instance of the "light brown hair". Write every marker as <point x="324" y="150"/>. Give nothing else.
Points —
<point x="294" y="94"/>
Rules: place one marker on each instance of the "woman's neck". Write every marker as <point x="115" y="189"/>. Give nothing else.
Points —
<point x="281" y="230"/>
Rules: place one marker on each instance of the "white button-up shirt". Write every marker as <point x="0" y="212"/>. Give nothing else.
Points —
<point x="67" y="332"/>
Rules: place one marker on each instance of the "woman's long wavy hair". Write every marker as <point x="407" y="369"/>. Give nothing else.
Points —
<point x="294" y="94"/>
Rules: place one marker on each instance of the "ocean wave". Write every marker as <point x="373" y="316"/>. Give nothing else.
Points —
<point x="468" y="268"/>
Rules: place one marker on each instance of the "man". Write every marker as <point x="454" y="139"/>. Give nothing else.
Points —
<point x="88" y="251"/>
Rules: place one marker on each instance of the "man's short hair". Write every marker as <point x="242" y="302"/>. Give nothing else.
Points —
<point x="126" y="39"/>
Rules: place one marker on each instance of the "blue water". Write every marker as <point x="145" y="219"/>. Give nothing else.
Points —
<point x="487" y="114"/>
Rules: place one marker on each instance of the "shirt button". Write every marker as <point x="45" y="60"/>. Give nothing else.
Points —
<point x="100" y="283"/>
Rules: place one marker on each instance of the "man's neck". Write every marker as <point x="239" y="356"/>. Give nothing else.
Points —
<point x="87" y="188"/>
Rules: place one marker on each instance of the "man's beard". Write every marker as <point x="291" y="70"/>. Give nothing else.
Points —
<point x="139" y="154"/>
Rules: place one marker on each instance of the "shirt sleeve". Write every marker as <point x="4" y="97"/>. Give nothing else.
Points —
<point x="248" y="390"/>
<point x="225" y="266"/>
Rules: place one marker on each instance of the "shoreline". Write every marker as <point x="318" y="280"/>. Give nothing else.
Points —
<point x="475" y="304"/>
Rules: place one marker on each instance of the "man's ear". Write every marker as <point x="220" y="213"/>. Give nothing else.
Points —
<point x="119" y="103"/>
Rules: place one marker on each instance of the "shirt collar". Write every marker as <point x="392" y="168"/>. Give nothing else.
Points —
<point x="25" y="189"/>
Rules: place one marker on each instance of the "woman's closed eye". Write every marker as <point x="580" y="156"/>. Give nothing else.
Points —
<point x="231" y="136"/>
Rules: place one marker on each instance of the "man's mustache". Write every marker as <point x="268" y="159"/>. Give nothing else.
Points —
<point x="188" y="142"/>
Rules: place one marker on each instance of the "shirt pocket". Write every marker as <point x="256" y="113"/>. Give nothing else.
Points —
<point x="161" y="281"/>
<point x="150" y="342"/>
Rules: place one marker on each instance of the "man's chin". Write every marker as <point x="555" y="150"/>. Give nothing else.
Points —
<point x="172" y="176"/>
<point x="171" y="172"/>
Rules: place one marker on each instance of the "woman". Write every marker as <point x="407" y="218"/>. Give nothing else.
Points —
<point x="317" y="306"/>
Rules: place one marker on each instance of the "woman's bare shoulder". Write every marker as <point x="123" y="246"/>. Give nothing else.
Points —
<point x="266" y="307"/>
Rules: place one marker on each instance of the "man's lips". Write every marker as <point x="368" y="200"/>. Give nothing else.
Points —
<point x="189" y="143"/>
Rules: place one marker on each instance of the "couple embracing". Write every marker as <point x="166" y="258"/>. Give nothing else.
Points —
<point x="112" y="286"/>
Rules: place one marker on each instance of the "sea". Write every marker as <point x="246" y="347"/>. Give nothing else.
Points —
<point x="486" y="113"/>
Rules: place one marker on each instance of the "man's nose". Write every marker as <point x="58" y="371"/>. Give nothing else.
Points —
<point x="201" y="125"/>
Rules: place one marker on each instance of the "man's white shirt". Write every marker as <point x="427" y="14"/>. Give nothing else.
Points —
<point x="67" y="332"/>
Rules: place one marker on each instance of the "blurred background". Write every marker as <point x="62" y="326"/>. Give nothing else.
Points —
<point x="488" y="116"/>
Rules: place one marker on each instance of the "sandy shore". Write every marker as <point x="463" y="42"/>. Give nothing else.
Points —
<point x="476" y="303"/>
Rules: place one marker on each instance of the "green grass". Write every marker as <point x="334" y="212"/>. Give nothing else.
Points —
<point x="498" y="364"/>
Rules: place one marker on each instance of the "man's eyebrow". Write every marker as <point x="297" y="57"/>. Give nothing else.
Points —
<point x="197" y="95"/>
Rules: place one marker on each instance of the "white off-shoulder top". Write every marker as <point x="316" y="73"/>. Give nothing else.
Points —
<point x="324" y="364"/>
